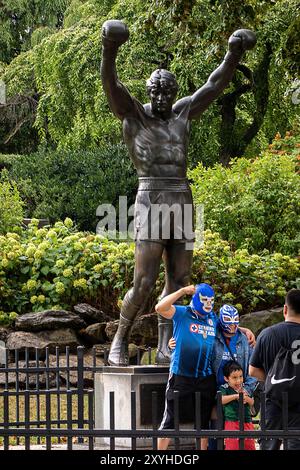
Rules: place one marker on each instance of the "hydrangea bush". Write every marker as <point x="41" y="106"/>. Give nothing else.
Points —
<point x="254" y="204"/>
<point x="56" y="267"/>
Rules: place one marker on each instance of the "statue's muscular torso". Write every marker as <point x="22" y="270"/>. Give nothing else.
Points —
<point x="158" y="147"/>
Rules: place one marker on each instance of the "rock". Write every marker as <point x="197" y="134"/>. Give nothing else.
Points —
<point x="144" y="330"/>
<point x="41" y="223"/>
<point x="72" y="375"/>
<point x="48" y="320"/>
<point x="102" y="350"/>
<point x="94" y="334"/>
<point x="31" y="381"/>
<point x="91" y="314"/>
<point x="62" y="377"/>
<point x="52" y="339"/>
<point x="111" y="328"/>
<point x="257" y="321"/>
<point x="4" y="332"/>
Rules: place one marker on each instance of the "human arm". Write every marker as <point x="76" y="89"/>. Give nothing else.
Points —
<point x="236" y="396"/>
<point x="250" y="383"/>
<point x="229" y="398"/>
<point x="247" y="398"/>
<point x="250" y="335"/>
<point x="165" y="306"/>
<point x="114" y="34"/>
<point x="240" y="41"/>
<point x="262" y="355"/>
<point x="258" y="373"/>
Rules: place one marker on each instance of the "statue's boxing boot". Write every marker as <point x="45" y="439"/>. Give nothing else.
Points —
<point x="165" y="330"/>
<point x="118" y="354"/>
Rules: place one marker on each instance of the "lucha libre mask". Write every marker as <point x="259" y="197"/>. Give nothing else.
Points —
<point x="229" y="319"/>
<point x="203" y="300"/>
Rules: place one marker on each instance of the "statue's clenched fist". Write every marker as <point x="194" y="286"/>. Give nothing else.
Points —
<point x="241" y="41"/>
<point x="114" y="32"/>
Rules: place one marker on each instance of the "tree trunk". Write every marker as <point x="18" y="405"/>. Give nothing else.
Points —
<point x="232" y="144"/>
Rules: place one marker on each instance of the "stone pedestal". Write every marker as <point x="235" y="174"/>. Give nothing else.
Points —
<point x="142" y="380"/>
<point x="2" y="353"/>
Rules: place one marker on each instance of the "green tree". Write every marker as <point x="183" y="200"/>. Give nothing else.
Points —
<point x="188" y="37"/>
<point x="21" y="19"/>
<point x="23" y="25"/>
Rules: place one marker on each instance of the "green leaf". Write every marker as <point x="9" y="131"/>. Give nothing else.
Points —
<point x="25" y="270"/>
<point x="45" y="270"/>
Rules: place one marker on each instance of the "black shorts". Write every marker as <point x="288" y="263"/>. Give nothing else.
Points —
<point x="164" y="211"/>
<point x="187" y="387"/>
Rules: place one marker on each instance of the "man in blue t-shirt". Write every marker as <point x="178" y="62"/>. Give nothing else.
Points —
<point x="194" y="329"/>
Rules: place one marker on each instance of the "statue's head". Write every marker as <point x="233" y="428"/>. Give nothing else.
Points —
<point x="162" y="89"/>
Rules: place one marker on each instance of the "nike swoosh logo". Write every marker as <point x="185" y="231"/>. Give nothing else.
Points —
<point x="279" y="381"/>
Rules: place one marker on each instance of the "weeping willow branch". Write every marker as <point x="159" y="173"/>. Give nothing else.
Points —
<point x="16" y="112"/>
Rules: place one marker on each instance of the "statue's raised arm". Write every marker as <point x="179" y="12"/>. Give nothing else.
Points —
<point x="240" y="41"/>
<point x="114" y="34"/>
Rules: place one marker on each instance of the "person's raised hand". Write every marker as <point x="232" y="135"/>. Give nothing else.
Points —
<point x="172" y="343"/>
<point x="189" y="290"/>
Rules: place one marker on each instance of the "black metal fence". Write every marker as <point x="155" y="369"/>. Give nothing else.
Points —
<point x="48" y="403"/>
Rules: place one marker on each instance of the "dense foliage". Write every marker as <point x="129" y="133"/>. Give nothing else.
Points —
<point x="189" y="37"/>
<point x="59" y="184"/>
<point x="56" y="267"/>
<point x="254" y="204"/>
<point x="65" y="156"/>
<point x="11" y="205"/>
<point x="23" y="23"/>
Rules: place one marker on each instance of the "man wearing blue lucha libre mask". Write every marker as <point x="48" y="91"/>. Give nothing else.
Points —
<point x="229" y="319"/>
<point x="230" y="345"/>
<point x="203" y="300"/>
<point x="191" y="368"/>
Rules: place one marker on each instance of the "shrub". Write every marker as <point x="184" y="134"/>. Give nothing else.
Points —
<point x="289" y="145"/>
<point x="248" y="281"/>
<point x="11" y="206"/>
<point x="58" y="267"/>
<point x="252" y="204"/>
<point x="60" y="184"/>
<point x="7" y="161"/>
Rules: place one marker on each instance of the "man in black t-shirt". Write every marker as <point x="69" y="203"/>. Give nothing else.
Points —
<point x="268" y="344"/>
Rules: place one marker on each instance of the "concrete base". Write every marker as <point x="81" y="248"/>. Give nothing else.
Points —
<point x="2" y="353"/>
<point x="122" y="381"/>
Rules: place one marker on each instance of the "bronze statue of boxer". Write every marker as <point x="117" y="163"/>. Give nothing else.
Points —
<point x="156" y="135"/>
